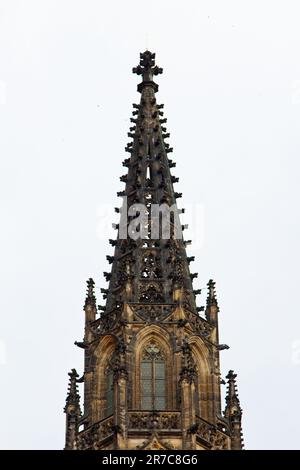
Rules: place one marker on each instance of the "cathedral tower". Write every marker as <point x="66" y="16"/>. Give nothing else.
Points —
<point x="151" y="371"/>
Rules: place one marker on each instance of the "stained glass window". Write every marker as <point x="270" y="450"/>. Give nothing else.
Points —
<point x="153" y="378"/>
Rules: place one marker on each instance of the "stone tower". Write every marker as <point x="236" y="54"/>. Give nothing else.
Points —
<point x="151" y="359"/>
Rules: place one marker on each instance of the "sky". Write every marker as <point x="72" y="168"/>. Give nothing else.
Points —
<point x="231" y="89"/>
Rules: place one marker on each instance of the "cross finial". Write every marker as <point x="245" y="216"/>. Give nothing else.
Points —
<point x="147" y="69"/>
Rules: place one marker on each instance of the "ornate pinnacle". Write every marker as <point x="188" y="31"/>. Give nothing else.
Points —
<point x="90" y="294"/>
<point x="232" y="398"/>
<point x="233" y="412"/>
<point x="211" y="297"/>
<point x="73" y="398"/>
<point x="72" y="410"/>
<point x="147" y="69"/>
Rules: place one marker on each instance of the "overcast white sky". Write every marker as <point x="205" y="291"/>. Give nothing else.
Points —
<point x="231" y="89"/>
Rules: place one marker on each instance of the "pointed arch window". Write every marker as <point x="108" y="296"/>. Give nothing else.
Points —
<point x="153" y="378"/>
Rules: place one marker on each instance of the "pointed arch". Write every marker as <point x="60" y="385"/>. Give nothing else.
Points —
<point x="153" y="384"/>
<point x="103" y="399"/>
<point x="203" y="392"/>
<point x="153" y="377"/>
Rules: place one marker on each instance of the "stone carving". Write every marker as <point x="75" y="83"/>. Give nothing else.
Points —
<point x="90" y="438"/>
<point x="150" y="420"/>
<point x="151" y="293"/>
<point x="199" y="325"/>
<point x="152" y="312"/>
<point x="188" y="367"/>
<point x="151" y="266"/>
<point x="209" y="433"/>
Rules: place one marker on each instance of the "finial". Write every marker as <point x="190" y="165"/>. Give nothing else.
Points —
<point x="147" y="69"/>
<point x="90" y="294"/>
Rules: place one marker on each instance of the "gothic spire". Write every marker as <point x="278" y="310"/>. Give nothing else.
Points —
<point x="149" y="251"/>
<point x="233" y="411"/>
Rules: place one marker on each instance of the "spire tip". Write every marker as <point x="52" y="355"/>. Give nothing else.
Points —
<point x="147" y="68"/>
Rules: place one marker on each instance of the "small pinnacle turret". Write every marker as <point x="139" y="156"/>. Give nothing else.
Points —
<point x="233" y="411"/>
<point x="212" y="308"/>
<point x="90" y="299"/>
<point x="90" y="307"/>
<point x="73" y="399"/>
<point x="72" y="410"/>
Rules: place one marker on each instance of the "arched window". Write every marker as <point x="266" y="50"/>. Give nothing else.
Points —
<point x="153" y="378"/>
<point x="109" y="392"/>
